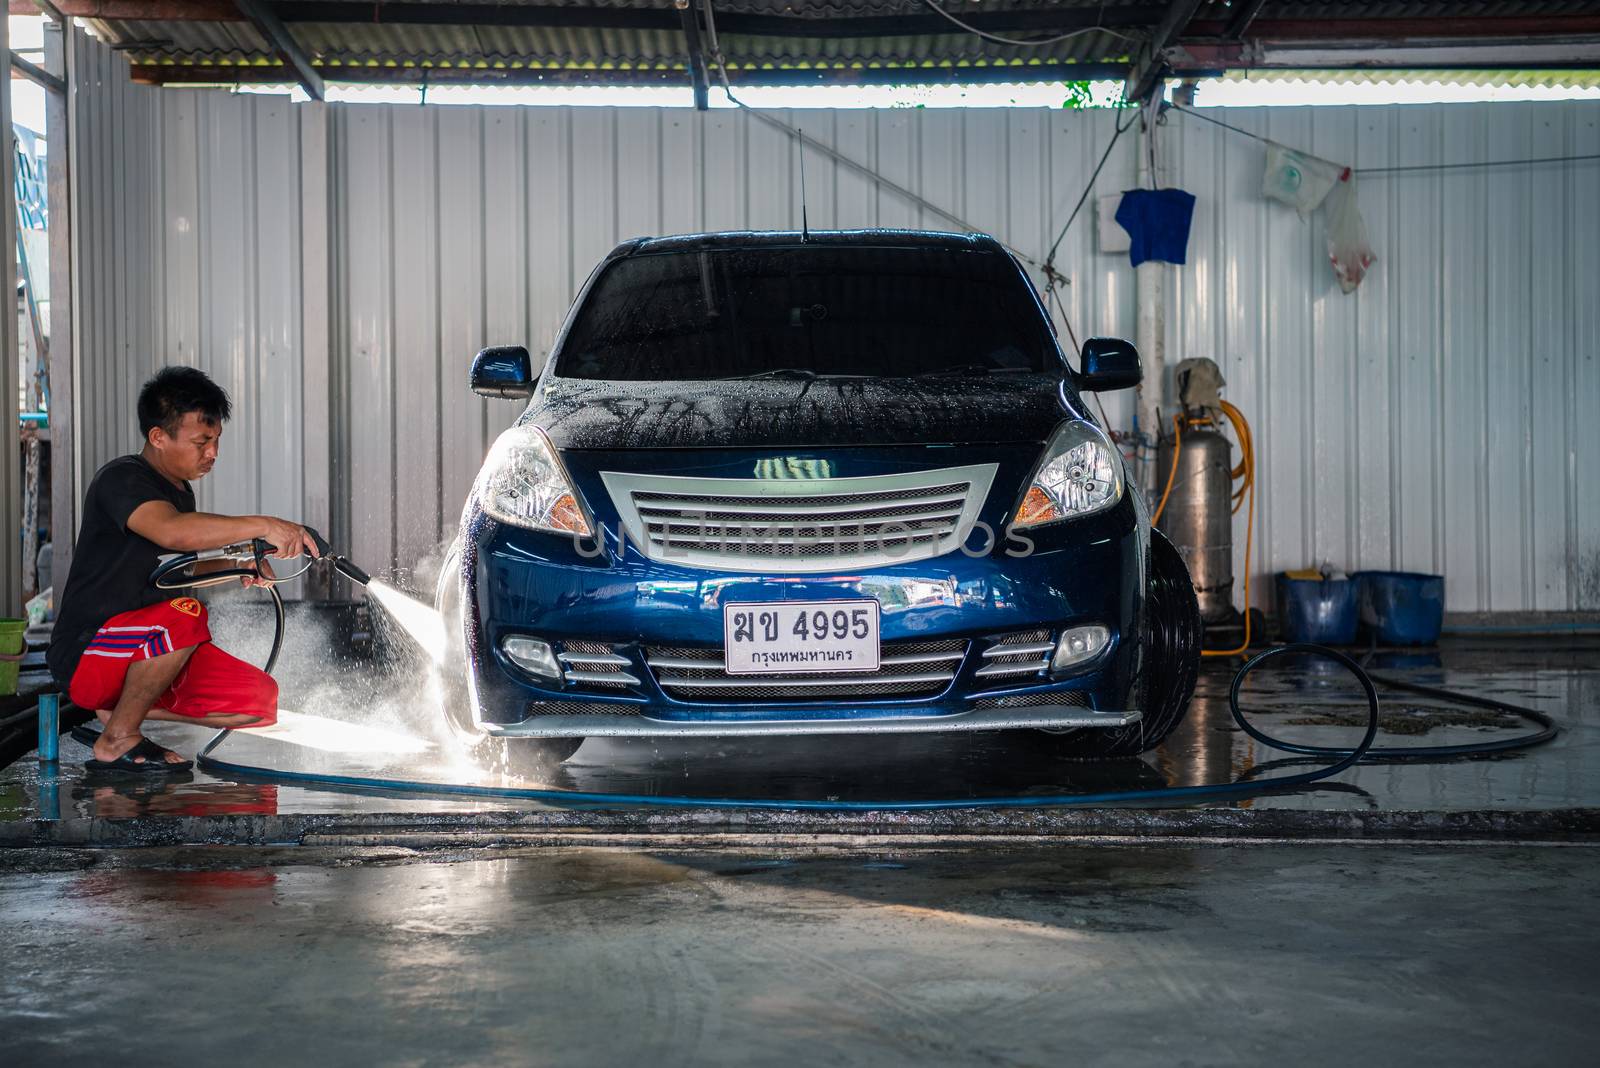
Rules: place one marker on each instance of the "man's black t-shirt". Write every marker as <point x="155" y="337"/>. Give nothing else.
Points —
<point x="111" y="564"/>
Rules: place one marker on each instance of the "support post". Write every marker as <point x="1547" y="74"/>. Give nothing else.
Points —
<point x="317" y="394"/>
<point x="1151" y="330"/>
<point x="49" y="727"/>
<point x="10" y="454"/>
<point x="690" y="10"/>
<point x="63" y="376"/>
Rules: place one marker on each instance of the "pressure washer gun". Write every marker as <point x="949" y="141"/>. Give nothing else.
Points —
<point x="249" y="555"/>
<point x="172" y="573"/>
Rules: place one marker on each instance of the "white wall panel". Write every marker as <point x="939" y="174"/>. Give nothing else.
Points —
<point x="1441" y="419"/>
<point x="189" y="252"/>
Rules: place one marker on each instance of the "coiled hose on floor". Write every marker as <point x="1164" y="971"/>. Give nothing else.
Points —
<point x="1363" y="751"/>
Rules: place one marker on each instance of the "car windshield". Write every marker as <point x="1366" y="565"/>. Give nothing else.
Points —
<point x="804" y="311"/>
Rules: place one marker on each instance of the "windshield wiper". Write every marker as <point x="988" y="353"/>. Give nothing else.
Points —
<point x="779" y="372"/>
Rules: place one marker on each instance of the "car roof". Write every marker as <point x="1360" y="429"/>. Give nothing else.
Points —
<point x="873" y="238"/>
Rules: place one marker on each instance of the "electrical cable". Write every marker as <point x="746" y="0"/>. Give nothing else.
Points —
<point x="1347" y="758"/>
<point x="1026" y="42"/>
<point x="840" y="158"/>
<point x="1050" y="257"/>
<point x="1403" y="169"/>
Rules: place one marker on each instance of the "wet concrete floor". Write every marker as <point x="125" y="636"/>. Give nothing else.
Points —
<point x="376" y="726"/>
<point x="1087" y="954"/>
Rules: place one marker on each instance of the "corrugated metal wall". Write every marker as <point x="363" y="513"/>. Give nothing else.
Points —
<point x="1440" y="419"/>
<point x="189" y="252"/>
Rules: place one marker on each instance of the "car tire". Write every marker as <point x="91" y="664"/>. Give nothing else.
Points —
<point x="1169" y="663"/>
<point x="523" y="758"/>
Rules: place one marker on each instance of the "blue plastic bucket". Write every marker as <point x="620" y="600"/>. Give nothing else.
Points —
<point x="1402" y="607"/>
<point x="1317" y="610"/>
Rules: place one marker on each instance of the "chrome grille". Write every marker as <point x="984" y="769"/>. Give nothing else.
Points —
<point x="906" y="669"/>
<point x="799" y="525"/>
<point x="1017" y="656"/>
<point x="595" y="665"/>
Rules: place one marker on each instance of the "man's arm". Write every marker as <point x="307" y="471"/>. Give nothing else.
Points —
<point x="185" y="532"/>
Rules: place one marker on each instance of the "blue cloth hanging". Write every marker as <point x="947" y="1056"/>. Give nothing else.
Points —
<point x="1157" y="221"/>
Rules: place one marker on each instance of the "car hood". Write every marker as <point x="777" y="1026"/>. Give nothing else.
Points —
<point x="582" y="414"/>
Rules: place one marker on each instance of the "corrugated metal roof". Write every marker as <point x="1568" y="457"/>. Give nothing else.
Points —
<point x="646" y="35"/>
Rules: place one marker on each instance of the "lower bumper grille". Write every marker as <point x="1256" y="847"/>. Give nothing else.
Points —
<point x="1070" y="699"/>
<point x="581" y="708"/>
<point x="906" y="669"/>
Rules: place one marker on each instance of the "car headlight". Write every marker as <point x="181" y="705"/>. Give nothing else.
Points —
<point x="1079" y="474"/>
<point x="523" y="483"/>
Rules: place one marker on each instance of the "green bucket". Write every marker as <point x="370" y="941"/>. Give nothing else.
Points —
<point x="11" y="645"/>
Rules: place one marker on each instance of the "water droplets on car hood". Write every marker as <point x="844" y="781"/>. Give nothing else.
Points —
<point x="581" y="414"/>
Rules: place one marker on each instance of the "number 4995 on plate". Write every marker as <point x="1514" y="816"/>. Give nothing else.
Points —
<point x="790" y="637"/>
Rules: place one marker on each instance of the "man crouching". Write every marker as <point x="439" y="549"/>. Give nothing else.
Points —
<point x="126" y="649"/>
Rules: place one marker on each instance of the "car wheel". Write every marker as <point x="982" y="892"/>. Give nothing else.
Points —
<point x="1168" y="665"/>
<point x="524" y="758"/>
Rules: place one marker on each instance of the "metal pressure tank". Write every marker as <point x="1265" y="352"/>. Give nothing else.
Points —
<point x="1198" y="517"/>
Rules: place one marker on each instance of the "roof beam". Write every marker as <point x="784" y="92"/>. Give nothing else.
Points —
<point x="425" y="13"/>
<point x="49" y="10"/>
<point x="133" y="10"/>
<point x="37" y="74"/>
<point x="1573" y="53"/>
<point x="659" y="18"/>
<point x="1379" y="29"/>
<point x="1152" y="62"/>
<point x="178" y="74"/>
<point x="689" y="11"/>
<point x="284" y="44"/>
<point x="1241" y="21"/>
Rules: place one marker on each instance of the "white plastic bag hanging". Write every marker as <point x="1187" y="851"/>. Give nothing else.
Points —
<point x="1348" y="248"/>
<point x="1298" y="179"/>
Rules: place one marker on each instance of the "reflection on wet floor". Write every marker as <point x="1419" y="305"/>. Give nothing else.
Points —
<point x="1304" y="700"/>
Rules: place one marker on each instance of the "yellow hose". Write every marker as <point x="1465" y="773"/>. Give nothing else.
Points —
<point x="1177" y="451"/>
<point x="1246" y="469"/>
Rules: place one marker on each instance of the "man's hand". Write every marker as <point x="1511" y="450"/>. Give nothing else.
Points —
<point x="288" y="539"/>
<point x="267" y="575"/>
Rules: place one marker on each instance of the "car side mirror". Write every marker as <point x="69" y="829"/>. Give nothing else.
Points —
<point x="504" y="372"/>
<point x="1107" y="363"/>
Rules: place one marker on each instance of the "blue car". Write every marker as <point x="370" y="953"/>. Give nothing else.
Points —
<point x="808" y="483"/>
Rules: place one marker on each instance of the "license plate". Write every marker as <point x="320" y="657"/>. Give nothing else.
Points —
<point x="791" y="637"/>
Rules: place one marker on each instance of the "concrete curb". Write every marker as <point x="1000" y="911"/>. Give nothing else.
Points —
<point x="644" y="826"/>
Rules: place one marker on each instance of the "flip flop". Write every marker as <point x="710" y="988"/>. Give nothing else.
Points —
<point x="84" y="734"/>
<point x="154" y="763"/>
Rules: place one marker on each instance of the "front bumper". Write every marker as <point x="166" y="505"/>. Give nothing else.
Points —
<point x="625" y="609"/>
<point x="1047" y="717"/>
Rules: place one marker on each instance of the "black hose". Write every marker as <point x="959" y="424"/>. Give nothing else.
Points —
<point x="161" y="581"/>
<point x="1390" y="754"/>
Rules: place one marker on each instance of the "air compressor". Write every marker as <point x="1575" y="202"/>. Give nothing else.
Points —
<point x="1202" y="490"/>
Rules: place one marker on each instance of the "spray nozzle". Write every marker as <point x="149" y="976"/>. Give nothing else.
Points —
<point x="340" y="563"/>
<point x="350" y="571"/>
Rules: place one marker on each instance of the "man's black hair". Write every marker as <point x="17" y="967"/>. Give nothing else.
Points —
<point x="176" y="391"/>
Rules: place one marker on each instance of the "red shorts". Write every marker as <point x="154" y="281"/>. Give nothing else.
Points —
<point x="211" y="683"/>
